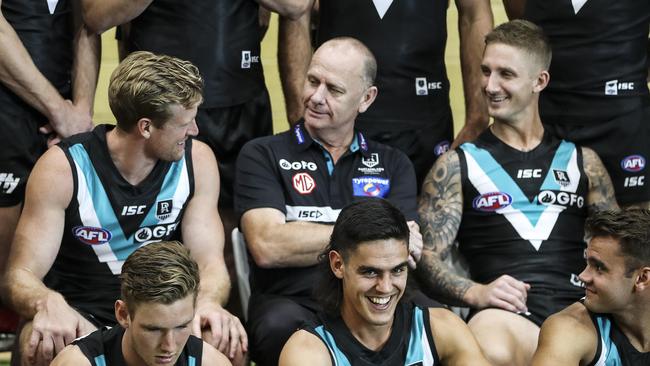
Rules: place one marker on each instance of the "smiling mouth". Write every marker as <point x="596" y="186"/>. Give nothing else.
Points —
<point x="379" y="302"/>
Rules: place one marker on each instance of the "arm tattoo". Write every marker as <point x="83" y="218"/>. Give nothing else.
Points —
<point x="601" y="191"/>
<point x="441" y="209"/>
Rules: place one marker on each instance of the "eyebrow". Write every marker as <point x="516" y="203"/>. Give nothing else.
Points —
<point x="367" y="268"/>
<point x="598" y="262"/>
<point x="152" y="326"/>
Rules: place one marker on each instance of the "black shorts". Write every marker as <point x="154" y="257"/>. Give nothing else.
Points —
<point x="623" y="144"/>
<point x="227" y="129"/>
<point x="20" y="146"/>
<point x="422" y="143"/>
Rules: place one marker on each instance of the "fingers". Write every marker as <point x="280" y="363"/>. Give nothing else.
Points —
<point x="509" y="293"/>
<point x="196" y="326"/>
<point x="415" y="242"/>
<point x="46" y="129"/>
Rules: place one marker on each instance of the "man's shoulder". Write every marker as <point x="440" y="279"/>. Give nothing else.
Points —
<point x="573" y="319"/>
<point x="305" y="346"/>
<point x="71" y="355"/>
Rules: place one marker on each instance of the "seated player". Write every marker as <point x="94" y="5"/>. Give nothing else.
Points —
<point x="611" y="325"/>
<point x="366" y="321"/>
<point x="159" y="286"/>
<point x="97" y="197"/>
<point x="515" y="199"/>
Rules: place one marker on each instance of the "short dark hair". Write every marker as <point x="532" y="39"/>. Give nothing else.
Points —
<point x="526" y="36"/>
<point x="631" y="227"/>
<point x="359" y="222"/>
<point x="162" y="272"/>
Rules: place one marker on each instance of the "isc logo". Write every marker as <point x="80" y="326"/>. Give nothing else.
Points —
<point x="633" y="163"/>
<point x="314" y="214"/>
<point x="133" y="210"/>
<point x="91" y="235"/>
<point x="490" y="202"/>
<point x="634" y="181"/>
<point x="529" y="173"/>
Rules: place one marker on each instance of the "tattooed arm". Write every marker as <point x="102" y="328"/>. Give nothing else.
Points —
<point x="441" y="209"/>
<point x="601" y="191"/>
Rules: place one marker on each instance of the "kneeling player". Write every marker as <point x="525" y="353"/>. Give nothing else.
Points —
<point x="365" y="323"/>
<point x="159" y="284"/>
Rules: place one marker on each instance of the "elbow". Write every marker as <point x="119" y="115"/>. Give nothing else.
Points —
<point x="94" y="23"/>
<point x="295" y="11"/>
<point x="263" y="256"/>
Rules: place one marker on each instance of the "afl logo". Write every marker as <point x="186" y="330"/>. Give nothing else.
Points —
<point x="441" y="148"/>
<point x="633" y="163"/>
<point x="91" y="235"/>
<point x="492" y="201"/>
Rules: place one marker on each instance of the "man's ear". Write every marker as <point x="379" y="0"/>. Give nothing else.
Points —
<point x="542" y="81"/>
<point x="368" y="97"/>
<point x="336" y="263"/>
<point x="122" y="314"/>
<point x="643" y="279"/>
<point x="144" y="126"/>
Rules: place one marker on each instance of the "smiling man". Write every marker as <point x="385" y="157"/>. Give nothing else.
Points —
<point x="364" y="271"/>
<point x="159" y="286"/>
<point x="515" y="200"/>
<point x="611" y="326"/>
<point x="95" y="198"/>
<point x="291" y="187"/>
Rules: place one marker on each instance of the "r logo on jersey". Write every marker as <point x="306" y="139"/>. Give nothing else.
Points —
<point x="164" y="209"/>
<point x="561" y="177"/>
<point x="303" y="183"/>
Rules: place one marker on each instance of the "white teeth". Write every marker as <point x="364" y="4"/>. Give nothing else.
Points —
<point x="379" y="300"/>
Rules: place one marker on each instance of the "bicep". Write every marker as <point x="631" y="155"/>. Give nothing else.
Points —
<point x="441" y="203"/>
<point x="601" y="191"/>
<point x="559" y="344"/>
<point x="454" y="341"/>
<point x="38" y="236"/>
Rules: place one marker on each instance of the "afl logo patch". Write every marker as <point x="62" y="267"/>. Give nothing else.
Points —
<point x="492" y="201"/>
<point x="91" y="235"/>
<point x="633" y="163"/>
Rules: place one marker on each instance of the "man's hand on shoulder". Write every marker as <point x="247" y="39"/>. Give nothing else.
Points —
<point x="69" y="119"/>
<point x="220" y="329"/>
<point x="505" y="292"/>
<point x="54" y="326"/>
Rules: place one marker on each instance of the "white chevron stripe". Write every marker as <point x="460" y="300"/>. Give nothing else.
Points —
<point x="577" y="5"/>
<point x="381" y="6"/>
<point x="51" y="5"/>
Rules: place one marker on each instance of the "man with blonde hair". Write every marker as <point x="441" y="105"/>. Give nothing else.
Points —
<point x="95" y="198"/>
<point x="159" y="283"/>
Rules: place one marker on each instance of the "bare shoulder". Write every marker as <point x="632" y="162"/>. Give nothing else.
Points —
<point x="454" y="341"/>
<point x="202" y="154"/>
<point x="211" y="356"/>
<point x="305" y="348"/>
<point x="71" y="355"/>
<point x="567" y="338"/>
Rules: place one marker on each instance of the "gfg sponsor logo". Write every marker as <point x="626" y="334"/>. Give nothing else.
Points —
<point x="154" y="232"/>
<point x="492" y="201"/>
<point x="560" y="198"/>
<point x="91" y="235"/>
<point x="297" y="165"/>
<point x="633" y="163"/>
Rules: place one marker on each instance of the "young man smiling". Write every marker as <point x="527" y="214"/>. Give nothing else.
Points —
<point x="611" y="326"/>
<point x="515" y="199"/>
<point x="365" y="322"/>
<point x="160" y="283"/>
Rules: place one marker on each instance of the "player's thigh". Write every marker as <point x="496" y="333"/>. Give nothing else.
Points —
<point x="506" y="338"/>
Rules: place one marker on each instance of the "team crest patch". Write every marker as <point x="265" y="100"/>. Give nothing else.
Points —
<point x="492" y="201"/>
<point x="372" y="161"/>
<point x="561" y="177"/>
<point x="164" y="209"/>
<point x="91" y="235"/>
<point x="370" y="187"/>
<point x="633" y="163"/>
<point x="303" y="183"/>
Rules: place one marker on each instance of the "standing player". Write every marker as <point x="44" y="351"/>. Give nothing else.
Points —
<point x="48" y="73"/>
<point x="366" y="320"/>
<point x="408" y="38"/>
<point x="611" y="326"/>
<point x="516" y="200"/>
<point x="98" y="196"/>
<point x="159" y="284"/>
<point x="598" y="95"/>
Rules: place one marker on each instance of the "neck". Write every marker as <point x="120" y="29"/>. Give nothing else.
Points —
<point x="373" y="337"/>
<point x="129" y="156"/>
<point x="523" y="135"/>
<point x="634" y="322"/>
<point x="335" y="141"/>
